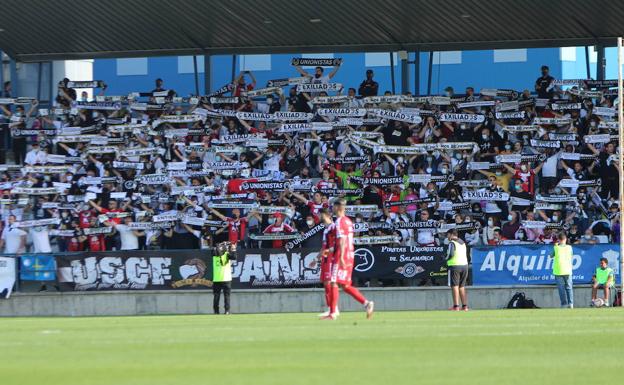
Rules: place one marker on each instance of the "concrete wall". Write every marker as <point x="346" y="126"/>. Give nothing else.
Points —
<point x="265" y="301"/>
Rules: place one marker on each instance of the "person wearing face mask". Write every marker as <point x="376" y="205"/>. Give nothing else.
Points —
<point x="525" y="174"/>
<point x="488" y="231"/>
<point x="521" y="235"/>
<point x="277" y="226"/>
<point x="502" y="177"/>
<point x="521" y="200"/>
<point x="35" y="156"/>
<point x="310" y="222"/>
<point x="510" y="227"/>
<point x="488" y="145"/>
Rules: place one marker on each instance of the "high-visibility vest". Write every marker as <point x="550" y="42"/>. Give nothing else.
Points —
<point x="602" y="276"/>
<point x="460" y="255"/>
<point x="221" y="268"/>
<point x="562" y="265"/>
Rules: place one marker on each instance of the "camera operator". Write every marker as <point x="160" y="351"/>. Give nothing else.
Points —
<point x="222" y="274"/>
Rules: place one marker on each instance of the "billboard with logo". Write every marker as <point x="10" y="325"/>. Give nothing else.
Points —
<point x="135" y="270"/>
<point x="265" y="268"/>
<point x="532" y="264"/>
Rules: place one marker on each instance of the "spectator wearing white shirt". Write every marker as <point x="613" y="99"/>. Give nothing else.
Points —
<point x="129" y="237"/>
<point x="318" y="77"/>
<point x="36" y="155"/>
<point x="13" y="239"/>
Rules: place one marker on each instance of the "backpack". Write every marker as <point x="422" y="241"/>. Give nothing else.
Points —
<point x="618" y="299"/>
<point x="520" y="301"/>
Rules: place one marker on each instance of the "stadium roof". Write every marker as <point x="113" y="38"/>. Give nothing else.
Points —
<point x="34" y="30"/>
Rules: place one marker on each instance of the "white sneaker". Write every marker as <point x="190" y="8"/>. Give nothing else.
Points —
<point x="370" y="308"/>
<point x="325" y="314"/>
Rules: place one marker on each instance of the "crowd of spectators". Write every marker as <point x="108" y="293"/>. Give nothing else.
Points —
<point x="252" y="165"/>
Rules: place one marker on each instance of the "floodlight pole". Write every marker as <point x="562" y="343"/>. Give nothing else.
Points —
<point x="621" y="158"/>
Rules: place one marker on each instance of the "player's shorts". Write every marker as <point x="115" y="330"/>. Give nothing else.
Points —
<point x="341" y="276"/>
<point x="457" y="275"/>
<point x="326" y="269"/>
<point x="601" y="286"/>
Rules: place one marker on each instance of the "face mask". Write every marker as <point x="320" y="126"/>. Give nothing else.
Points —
<point x="310" y="223"/>
<point x="521" y="236"/>
<point x="518" y="187"/>
<point x="69" y="178"/>
<point x="436" y="154"/>
<point x="462" y="126"/>
<point x="523" y="168"/>
<point x="484" y="137"/>
<point x="400" y="159"/>
<point x="429" y="159"/>
<point x="429" y="170"/>
<point x="271" y="220"/>
<point x="509" y="217"/>
<point x="157" y="141"/>
<point x="444" y="171"/>
<point x="507" y="147"/>
<point x="593" y="124"/>
<point x="94" y="114"/>
<point x="498" y="173"/>
<point x="458" y="156"/>
<point x="218" y="158"/>
<point x="64" y="214"/>
<point x="448" y="94"/>
<point x="555" y="218"/>
<point x="269" y="101"/>
<point x="490" y="222"/>
<point x="47" y="178"/>
<point x="358" y="220"/>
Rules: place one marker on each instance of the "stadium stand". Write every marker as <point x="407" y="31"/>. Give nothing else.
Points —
<point x="255" y="164"/>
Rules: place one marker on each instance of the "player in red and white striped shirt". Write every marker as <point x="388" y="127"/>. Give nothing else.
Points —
<point x="342" y="266"/>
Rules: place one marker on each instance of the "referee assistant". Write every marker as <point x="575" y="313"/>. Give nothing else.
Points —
<point x="457" y="262"/>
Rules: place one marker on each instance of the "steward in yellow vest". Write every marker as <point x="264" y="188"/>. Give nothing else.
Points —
<point x="562" y="270"/>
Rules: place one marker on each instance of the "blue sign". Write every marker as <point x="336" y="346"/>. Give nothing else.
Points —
<point x="37" y="268"/>
<point x="532" y="264"/>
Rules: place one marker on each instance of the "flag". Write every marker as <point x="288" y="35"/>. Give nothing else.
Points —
<point x="37" y="268"/>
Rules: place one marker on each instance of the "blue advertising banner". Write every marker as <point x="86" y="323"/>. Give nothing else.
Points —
<point x="532" y="264"/>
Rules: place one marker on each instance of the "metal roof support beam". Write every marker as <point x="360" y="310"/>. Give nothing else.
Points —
<point x="207" y="77"/>
<point x="587" y="67"/>
<point x="392" y="72"/>
<point x="602" y="63"/>
<point x="196" y="75"/>
<point x="417" y="72"/>
<point x="404" y="76"/>
<point x="429" y="73"/>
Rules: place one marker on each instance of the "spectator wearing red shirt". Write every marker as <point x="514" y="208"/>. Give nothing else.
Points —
<point x="278" y="227"/>
<point x="526" y="175"/>
<point x="112" y="208"/>
<point x="241" y="86"/>
<point x="237" y="225"/>
<point x="315" y="205"/>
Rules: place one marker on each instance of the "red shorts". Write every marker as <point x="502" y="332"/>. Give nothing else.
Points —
<point x="341" y="276"/>
<point x="326" y="269"/>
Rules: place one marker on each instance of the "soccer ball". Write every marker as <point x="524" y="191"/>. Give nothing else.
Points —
<point x="598" y="302"/>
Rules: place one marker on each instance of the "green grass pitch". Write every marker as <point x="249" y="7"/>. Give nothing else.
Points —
<point x="501" y="347"/>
